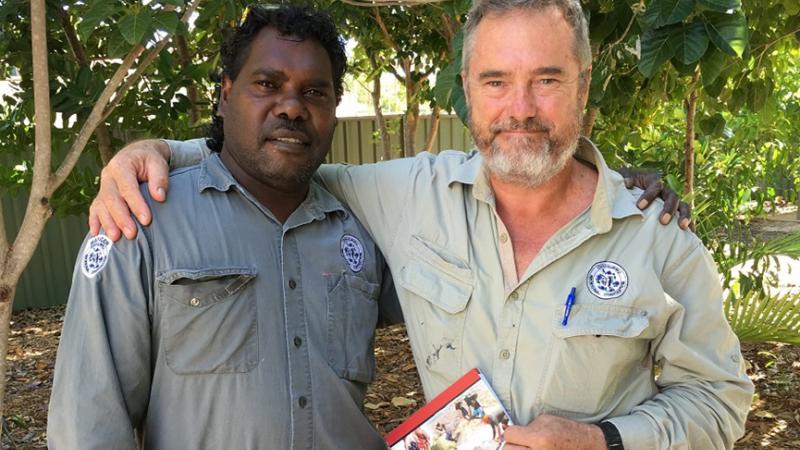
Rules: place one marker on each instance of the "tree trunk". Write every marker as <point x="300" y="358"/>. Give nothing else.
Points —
<point x="688" y="147"/>
<point x="411" y="114"/>
<point x="434" y="130"/>
<point x="375" y="93"/>
<point x="588" y="121"/>
<point x="6" y="298"/>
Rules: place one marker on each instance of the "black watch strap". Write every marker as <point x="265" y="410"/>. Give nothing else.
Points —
<point x="611" y="433"/>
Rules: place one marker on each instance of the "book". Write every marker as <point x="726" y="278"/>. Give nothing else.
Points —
<point x="468" y="415"/>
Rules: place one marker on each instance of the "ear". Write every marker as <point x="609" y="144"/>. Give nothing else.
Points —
<point x="464" y="87"/>
<point x="586" y="83"/>
<point x="224" y="93"/>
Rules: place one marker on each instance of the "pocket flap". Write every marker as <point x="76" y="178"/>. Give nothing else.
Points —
<point x="434" y="278"/>
<point x="203" y="287"/>
<point x="605" y="320"/>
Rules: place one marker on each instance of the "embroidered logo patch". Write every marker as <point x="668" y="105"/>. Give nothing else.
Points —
<point x="607" y="280"/>
<point x="95" y="255"/>
<point x="352" y="252"/>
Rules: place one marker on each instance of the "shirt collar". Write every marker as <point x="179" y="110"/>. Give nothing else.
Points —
<point x="612" y="200"/>
<point x="318" y="202"/>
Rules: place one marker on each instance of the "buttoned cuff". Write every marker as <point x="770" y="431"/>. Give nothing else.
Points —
<point x="637" y="431"/>
<point x="186" y="153"/>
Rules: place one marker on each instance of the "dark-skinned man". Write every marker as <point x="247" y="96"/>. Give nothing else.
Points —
<point x="213" y="329"/>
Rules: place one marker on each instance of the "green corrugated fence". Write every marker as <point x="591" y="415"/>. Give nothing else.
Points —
<point x="46" y="280"/>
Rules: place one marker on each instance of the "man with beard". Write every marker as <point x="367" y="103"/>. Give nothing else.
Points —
<point x="213" y="329"/>
<point x="530" y="260"/>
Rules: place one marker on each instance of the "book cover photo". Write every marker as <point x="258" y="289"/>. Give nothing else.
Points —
<point x="466" y="416"/>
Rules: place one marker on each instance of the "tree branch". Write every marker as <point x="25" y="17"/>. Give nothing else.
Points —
<point x="99" y="112"/>
<point x="3" y="235"/>
<point x="386" y="35"/>
<point x="41" y="95"/>
<point x="101" y="133"/>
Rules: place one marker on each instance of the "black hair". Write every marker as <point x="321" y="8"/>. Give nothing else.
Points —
<point x="299" y="21"/>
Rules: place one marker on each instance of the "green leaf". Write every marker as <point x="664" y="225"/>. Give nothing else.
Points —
<point x="711" y="66"/>
<point x="167" y="21"/>
<point x="173" y="2"/>
<point x="446" y="83"/>
<point x="713" y="125"/>
<point x="667" y="12"/>
<point x="693" y="43"/>
<point x="721" y="5"/>
<point x="97" y="13"/>
<point x="685" y="70"/>
<point x="118" y="47"/>
<point x="657" y="48"/>
<point x="727" y="31"/>
<point x="134" y="27"/>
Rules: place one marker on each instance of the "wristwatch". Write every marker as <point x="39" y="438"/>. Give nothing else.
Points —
<point x="611" y="434"/>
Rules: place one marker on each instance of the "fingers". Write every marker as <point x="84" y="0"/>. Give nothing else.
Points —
<point x="651" y="191"/>
<point x="671" y="201"/>
<point x="157" y="171"/>
<point x="94" y="221"/>
<point x="685" y="216"/>
<point x="111" y="208"/>
<point x="100" y="215"/>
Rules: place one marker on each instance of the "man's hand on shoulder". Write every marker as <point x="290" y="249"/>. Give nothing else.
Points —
<point x="548" y="432"/>
<point x="654" y="187"/>
<point x="119" y="194"/>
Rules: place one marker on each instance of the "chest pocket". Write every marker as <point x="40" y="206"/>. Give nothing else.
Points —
<point x="602" y="352"/>
<point x="439" y="289"/>
<point x="352" y="316"/>
<point x="209" y="321"/>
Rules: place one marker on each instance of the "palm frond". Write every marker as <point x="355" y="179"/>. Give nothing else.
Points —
<point x="758" y="317"/>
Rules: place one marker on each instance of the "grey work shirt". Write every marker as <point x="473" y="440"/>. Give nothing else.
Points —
<point x="648" y="297"/>
<point x="219" y="327"/>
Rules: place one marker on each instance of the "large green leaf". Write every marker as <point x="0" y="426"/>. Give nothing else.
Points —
<point x="167" y="21"/>
<point x="692" y="44"/>
<point x="135" y="26"/>
<point x="711" y="66"/>
<point x="97" y="13"/>
<point x="727" y="31"/>
<point x="721" y="5"/>
<point x="117" y="46"/>
<point x="667" y="12"/>
<point x="448" y="92"/>
<point x="658" y="47"/>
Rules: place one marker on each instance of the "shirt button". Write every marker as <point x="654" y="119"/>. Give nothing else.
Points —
<point x="292" y="284"/>
<point x="505" y="354"/>
<point x="503" y="238"/>
<point x="298" y="341"/>
<point x="514" y="295"/>
<point x="194" y="301"/>
<point x="302" y="402"/>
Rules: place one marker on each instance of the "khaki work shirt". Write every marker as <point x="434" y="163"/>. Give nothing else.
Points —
<point x="646" y="345"/>
<point x="218" y="327"/>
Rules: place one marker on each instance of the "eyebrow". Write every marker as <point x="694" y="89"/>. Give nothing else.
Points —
<point x="280" y="75"/>
<point x="546" y="70"/>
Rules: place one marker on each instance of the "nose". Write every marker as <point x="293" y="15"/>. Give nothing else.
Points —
<point x="290" y="106"/>
<point x="523" y="102"/>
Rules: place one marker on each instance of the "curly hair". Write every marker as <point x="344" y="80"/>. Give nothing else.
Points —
<point x="299" y="21"/>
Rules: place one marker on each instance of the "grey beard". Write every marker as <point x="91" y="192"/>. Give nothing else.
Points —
<point x="526" y="164"/>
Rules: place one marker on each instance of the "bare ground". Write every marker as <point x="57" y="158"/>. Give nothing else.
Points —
<point x="774" y="420"/>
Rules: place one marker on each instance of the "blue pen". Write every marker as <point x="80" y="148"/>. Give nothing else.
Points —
<point x="568" y="307"/>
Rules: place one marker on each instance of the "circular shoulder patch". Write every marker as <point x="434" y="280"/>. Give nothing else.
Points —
<point x="352" y="252"/>
<point x="607" y="280"/>
<point x="95" y="255"/>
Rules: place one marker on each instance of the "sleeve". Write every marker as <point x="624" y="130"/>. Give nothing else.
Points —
<point x="704" y="392"/>
<point x="376" y="193"/>
<point x="103" y="372"/>
<point x="187" y="153"/>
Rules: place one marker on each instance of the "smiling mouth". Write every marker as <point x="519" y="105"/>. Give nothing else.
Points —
<point x="288" y="140"/>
